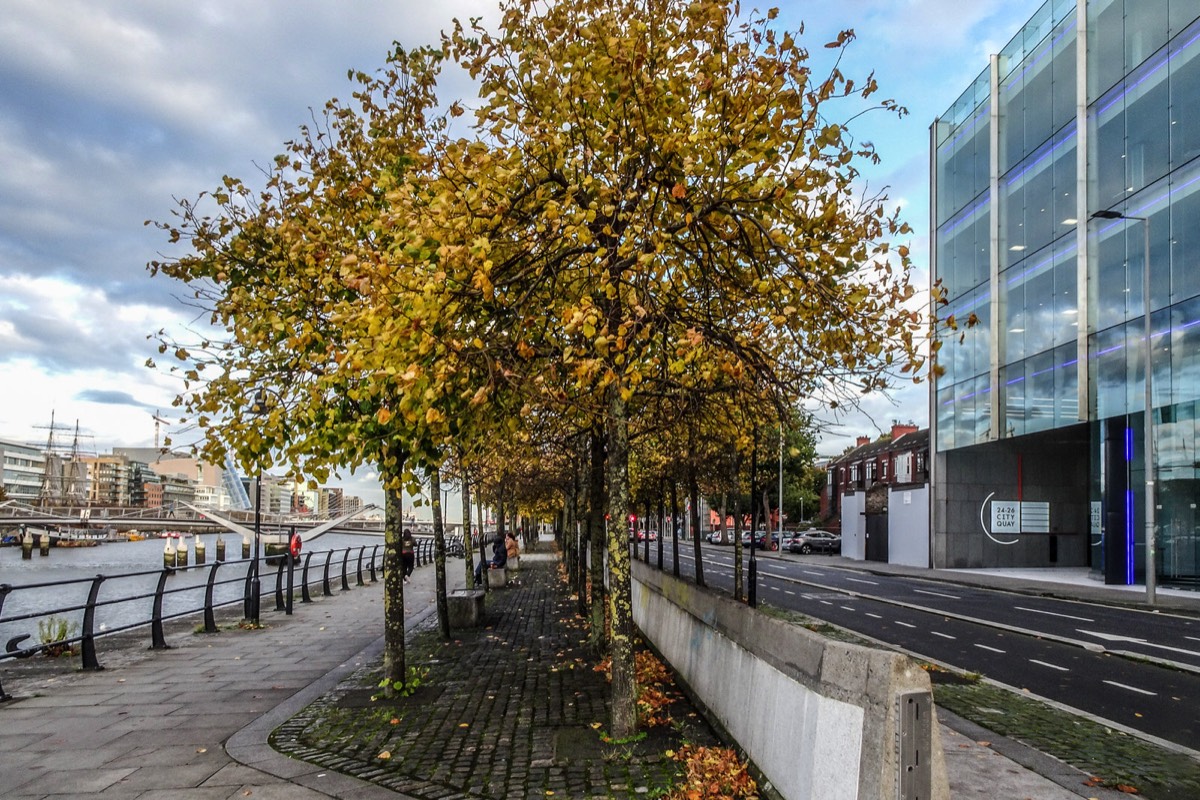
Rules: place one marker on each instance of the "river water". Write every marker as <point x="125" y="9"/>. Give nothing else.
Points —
<point x="72" y="569"/>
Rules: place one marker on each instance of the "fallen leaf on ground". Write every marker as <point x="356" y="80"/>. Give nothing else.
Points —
<point x="386" y="754"/>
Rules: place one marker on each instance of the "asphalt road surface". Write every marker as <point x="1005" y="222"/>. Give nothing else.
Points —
<point x="1065" y="651"/>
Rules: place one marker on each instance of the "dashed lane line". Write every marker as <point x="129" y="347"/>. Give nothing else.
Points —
<point x="874" y="616"/>
<point x="1052" y="614"/>
<point x="943" y="635"/>
<point x="846" y="608"/>
<point x="860" y="580"/>
<point x="989" y="647"/>
<point x="810" y="572"/>
<point x="937" y="594"/>
<point x="1132" y="688"/>
<point x="905" y="624"/>
<point x="1048" y="664"/>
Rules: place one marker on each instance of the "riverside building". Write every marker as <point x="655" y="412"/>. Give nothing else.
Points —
<point x="1076" y="140"/>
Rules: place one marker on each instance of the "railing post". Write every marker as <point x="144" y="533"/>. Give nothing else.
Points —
<point x="304" y="596"/>
<point x="246" y="609"/>
<point x="291" y="565"/>
<point x="360" y="577"/>
<point x="157" y="640"/>
<point x="345" y="559"/>
<point x="4" y="590"/>
<point x="279" y="605"/>
<point x="89" y="626"/>
<point x="325" y="590"/>
<point x="374" y="554"/>
<point x="210" y="621"/>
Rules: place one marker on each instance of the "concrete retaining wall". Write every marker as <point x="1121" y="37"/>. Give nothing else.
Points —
<point x="817" y="717"/>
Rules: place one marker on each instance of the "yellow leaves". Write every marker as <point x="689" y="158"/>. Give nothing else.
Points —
<point x="434" y="417"/>
<point x="383" y="415"/>
<point x="679" y="191"/>
<point x="385" y="755"/>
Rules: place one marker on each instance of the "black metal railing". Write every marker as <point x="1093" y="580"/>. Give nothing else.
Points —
<point x="178" y="591"/>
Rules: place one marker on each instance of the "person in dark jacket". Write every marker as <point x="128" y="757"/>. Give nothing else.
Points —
<point x="408" y="553"/>
<point x="499" y="559"/>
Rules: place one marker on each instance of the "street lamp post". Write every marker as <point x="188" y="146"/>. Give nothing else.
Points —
<point x="1148" y="421"/>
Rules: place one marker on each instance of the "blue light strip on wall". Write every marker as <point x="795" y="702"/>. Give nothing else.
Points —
<point x="1129" y="537"/>
<point x="1128" y="511"/>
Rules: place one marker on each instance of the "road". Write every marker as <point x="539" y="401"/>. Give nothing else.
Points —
<point x="1062" y="650"/>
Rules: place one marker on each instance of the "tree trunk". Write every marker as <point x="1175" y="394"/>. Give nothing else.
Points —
<point x="694" y="502"/>
<point x="597" y="539"/>
<point x="439" y="552"/>
<point x="394" y="671"/>
<point x="674" y="533"/>
<point x="469" y="572"/>
<point x="620" y="604"/>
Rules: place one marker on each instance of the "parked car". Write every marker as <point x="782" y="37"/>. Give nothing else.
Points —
<point x="816" y="541"/>
<point x="714" y="537"/>
<point x="760" y="540"/>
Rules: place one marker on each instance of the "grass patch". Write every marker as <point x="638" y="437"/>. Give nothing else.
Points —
<point x="1115" y="758"/>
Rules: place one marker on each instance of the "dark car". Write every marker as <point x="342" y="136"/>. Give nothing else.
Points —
<point x="760" y="540"/>
<point x="816" y="541"/>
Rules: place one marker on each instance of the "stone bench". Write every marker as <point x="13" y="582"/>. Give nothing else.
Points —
<point x="513" y="564"/>
<point x="465" y="608"/>
<point x="497" y="577"/>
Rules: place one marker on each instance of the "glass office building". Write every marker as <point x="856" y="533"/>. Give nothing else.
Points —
<point x="1078" y="139"/>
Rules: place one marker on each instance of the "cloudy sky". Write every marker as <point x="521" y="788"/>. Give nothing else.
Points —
<point x="110" y="109"/>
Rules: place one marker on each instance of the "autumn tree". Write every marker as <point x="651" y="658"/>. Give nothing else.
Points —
<point x="670" y="182"/>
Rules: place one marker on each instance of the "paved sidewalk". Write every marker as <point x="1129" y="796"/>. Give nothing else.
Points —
<point x="512" y="717"/>
<point x="155" y="724"/>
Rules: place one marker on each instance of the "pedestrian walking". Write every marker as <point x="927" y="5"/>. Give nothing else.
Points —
<point x="408" y="553"/>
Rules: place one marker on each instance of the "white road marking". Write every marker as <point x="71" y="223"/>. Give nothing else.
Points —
<point x="810" y="572"/>
<point x="860" y="580"/>
<point x="1132" y="688"/>
<point x="993" y="649"/>
<point x="826" y="602"/>
<point x="788" y="591"/>
<point x="1048" y="664"/>
<point x="905" y="624"/>
<point x="875" y="616"/>
<point x="938" y="594"/>
<point x="1115" y="637"/>
<point x="1053" y="614"/>
<point x="943" y="635"/>
<point x="847" y="608"/>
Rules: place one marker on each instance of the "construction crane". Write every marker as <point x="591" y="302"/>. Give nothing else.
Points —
<point x="158" y="420"/>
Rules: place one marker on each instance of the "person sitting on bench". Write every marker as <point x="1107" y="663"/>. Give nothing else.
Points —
<point x="499" y="559"/>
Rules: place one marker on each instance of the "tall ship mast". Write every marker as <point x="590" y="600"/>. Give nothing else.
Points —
<point x="64" y="481"/>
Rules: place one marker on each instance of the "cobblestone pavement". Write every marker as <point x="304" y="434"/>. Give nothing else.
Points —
<point x="510" y="710"/>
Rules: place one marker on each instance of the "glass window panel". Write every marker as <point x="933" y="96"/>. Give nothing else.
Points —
<point x="1013" y="302"/>
<point x="1106" y="45"/>
<point x="964" y="415"/>
<point x="1147" y="125"/>
<point x="1184" y="239"/>
<point x="1063" y="69"/>
<point x="1181" y="13"/>
<point x="1135" y="388"/>
<point x="1108" y="140"/>
<point x="1066" y="293"/>
<point x="983" y="409"/>
<point x="1184" y="88"/>
<point x="1111" y="289"/>
<point x="1145" y="29"/>
<point x="1185" y="352"/>
<point x="1012" y="385"/>
<point x="1066" y="386"/>
<point x="1064" y="183"/>
<point x="945" y="417"/>
<point x="1108" y="354"/>
<point x="1039" y="392"/>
